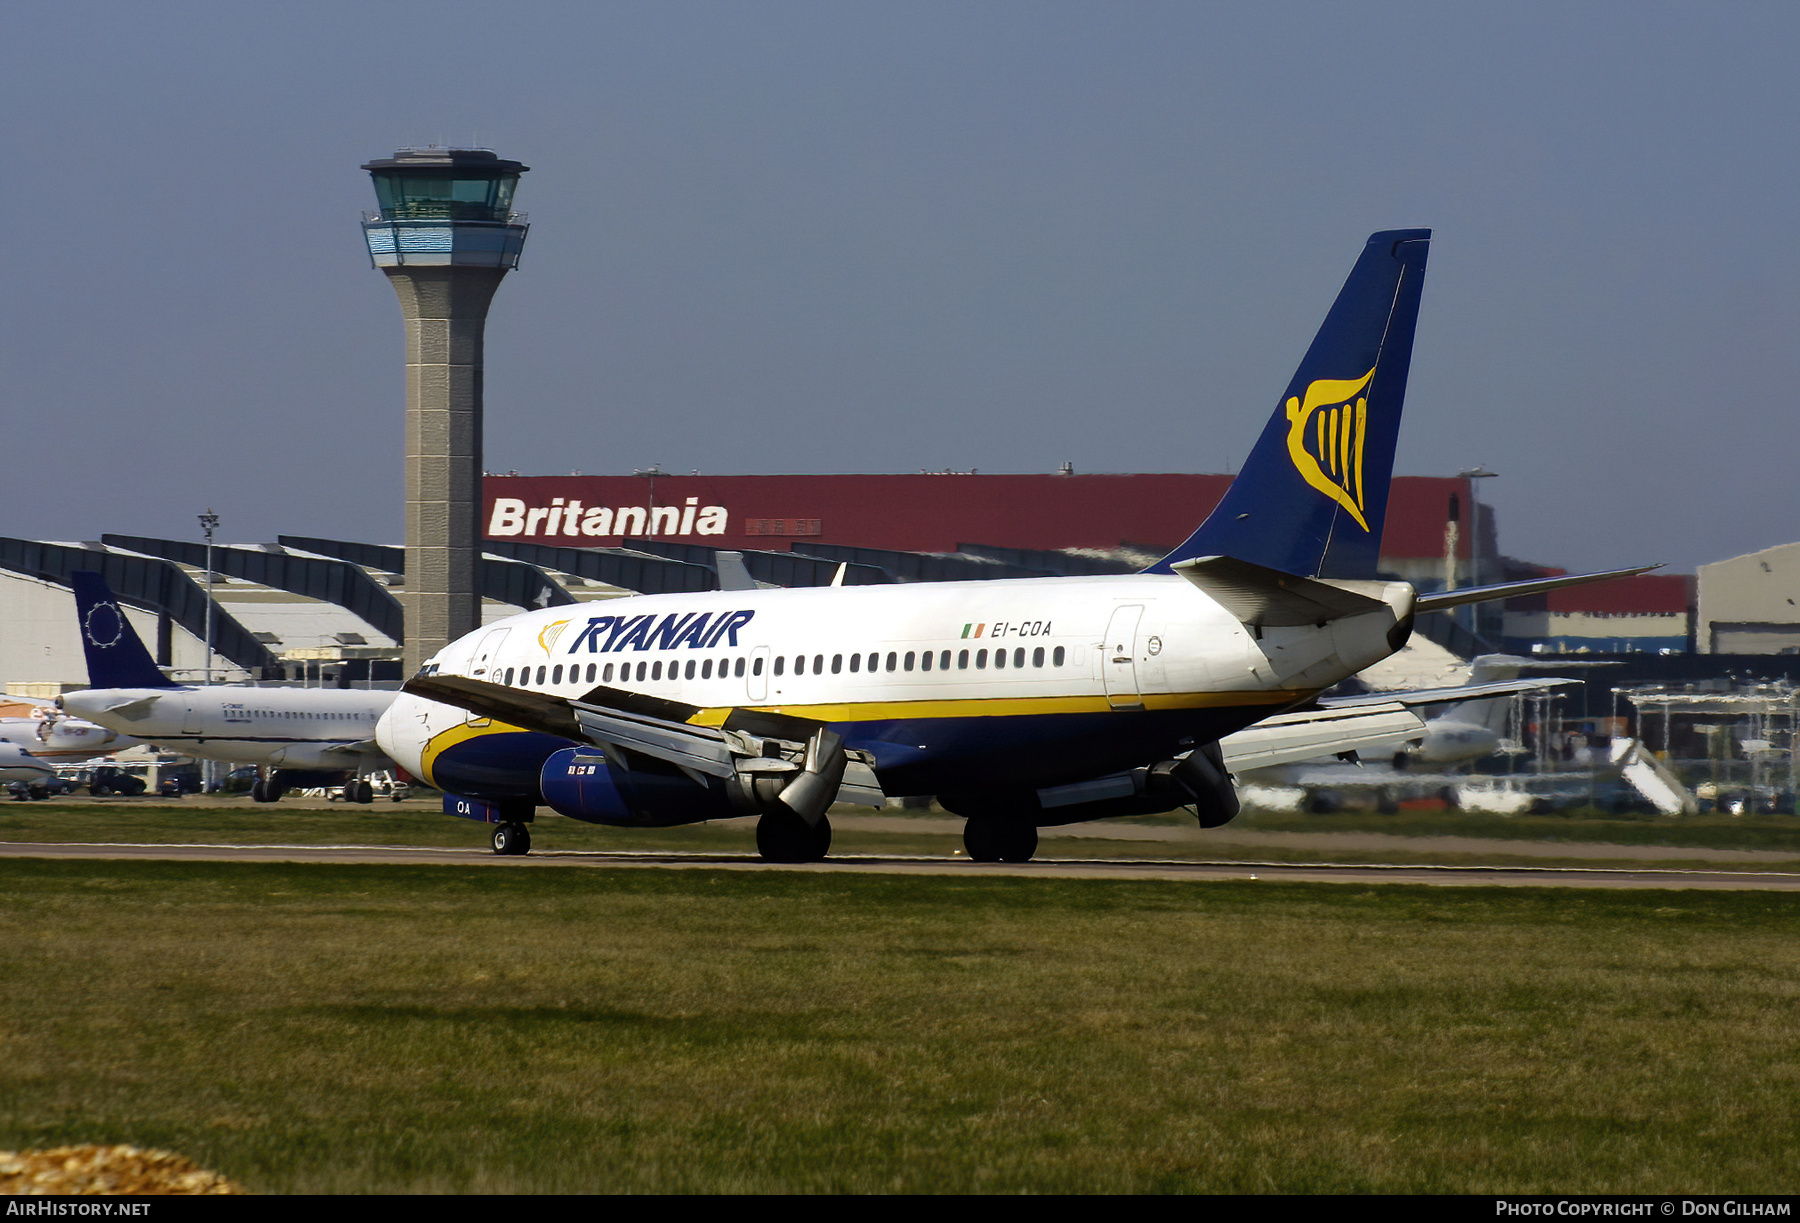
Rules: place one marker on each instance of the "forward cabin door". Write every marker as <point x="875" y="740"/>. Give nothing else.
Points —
<point x="486" y="654"/>
<point x="482" y="665"/>
<point x="1118" y="655"/>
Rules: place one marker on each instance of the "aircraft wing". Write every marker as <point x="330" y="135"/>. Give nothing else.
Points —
<point x="748" y="745"/>
<point x="1289" y="737"/>
<point x="1443" y="696"/>
<point x="363" y="747"/>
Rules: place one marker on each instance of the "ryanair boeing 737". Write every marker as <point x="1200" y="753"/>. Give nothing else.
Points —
<point x="1019" y="704"/>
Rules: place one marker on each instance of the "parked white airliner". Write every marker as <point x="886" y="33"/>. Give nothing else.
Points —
<point x="292" y="732"/>
<point x="1017" y="703"/>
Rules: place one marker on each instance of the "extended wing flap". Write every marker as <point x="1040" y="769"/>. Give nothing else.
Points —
<point x="700" y="748"/>
<point x="1269" y="598"/>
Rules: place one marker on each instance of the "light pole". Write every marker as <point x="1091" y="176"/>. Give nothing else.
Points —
<point x="209" y="522"/>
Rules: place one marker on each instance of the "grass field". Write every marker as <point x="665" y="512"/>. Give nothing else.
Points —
<point x="365" y="1029"/>
<point x="419" y="823"/>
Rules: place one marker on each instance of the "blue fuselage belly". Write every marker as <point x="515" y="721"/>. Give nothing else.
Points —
<point x="498" y="765"/>
<point x="913" y="755"/>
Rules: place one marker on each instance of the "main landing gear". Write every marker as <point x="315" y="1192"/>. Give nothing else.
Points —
<point x="512" y="840"/>
<point x="268" y="790"/>
<point x="358" y="790"/>
<point x="783" y="836"/>
<point x="993" y="839"/>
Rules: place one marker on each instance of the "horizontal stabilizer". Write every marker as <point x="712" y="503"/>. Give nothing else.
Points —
<point x="1303" y="736"/>
<point x="1443" y="696"/>
<point x="1438" y="600"/>
<point x="135" y="710"/>
<point x="1270" y="598"/>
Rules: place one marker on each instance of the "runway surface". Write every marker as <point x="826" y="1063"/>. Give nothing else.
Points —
<point x="1359" y="873"/>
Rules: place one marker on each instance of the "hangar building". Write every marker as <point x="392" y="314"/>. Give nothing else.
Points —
<point x="1747" y="604"/>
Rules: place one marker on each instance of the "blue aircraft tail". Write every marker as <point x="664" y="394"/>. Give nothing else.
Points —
<point x="1312" y="498"/>
<point x="116" y="657"/>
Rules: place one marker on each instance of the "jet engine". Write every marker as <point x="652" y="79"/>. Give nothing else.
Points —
<point x="634" y="792"/>
<point x="1197" y="779"/>
<point x="788" y="784"/>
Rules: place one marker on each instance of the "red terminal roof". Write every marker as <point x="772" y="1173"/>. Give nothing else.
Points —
<point x="1648" y="594"/>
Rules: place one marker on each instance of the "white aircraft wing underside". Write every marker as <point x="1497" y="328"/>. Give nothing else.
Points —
<point x="1304" y="736"/>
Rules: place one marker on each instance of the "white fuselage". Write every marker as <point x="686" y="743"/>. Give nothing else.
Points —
<point x="295" y="728"/>
<point x="1014" y="682"/>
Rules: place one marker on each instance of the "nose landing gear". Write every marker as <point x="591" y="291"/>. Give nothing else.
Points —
<point x="512" y="840"/>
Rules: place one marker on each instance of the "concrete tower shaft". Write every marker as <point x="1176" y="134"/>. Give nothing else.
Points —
<point x="445" y="235"/>
<point x="445" y="310"/>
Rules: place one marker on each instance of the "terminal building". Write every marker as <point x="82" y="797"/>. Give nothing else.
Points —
<point x="1429" y="536"/>
<point x="302" y="609"/>
<point x="1652" y="613"/>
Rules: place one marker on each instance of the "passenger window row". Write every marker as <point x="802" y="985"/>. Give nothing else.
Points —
<point x="703" y="668"/>
<point x="921" y="660"/>
<point x="726" y="668"/>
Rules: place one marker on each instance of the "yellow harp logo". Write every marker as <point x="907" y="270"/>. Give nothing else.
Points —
<point x="1325" y="439"/>
<point x="550" y="632"/>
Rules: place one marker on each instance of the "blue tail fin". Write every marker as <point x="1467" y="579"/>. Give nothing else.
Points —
<point x="116" y="657"/>
<point x="1312" y="498"/>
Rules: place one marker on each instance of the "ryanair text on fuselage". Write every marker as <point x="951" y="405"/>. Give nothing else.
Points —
<point x="696" y="630"/>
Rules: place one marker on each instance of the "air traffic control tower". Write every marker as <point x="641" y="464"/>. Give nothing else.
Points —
<point x="445" y="234"/>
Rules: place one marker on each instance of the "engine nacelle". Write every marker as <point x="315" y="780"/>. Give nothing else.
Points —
<point x="1198" y="780"/>
<point x="580" y="783"/>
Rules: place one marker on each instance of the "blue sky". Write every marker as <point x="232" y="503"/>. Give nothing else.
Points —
<point x="819" y="237"/>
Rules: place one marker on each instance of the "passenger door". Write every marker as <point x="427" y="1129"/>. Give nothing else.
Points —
<point x="487" y="652"/>
<point x="1118" y="658"/>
